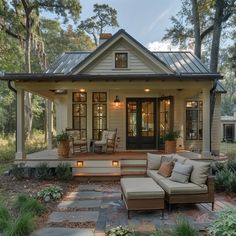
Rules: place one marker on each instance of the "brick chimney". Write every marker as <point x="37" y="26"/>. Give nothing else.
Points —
<point x="104" y="37"/>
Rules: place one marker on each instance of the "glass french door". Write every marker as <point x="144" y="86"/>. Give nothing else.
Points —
<point x="165" y="119"/>
<point x="141" y="123"/>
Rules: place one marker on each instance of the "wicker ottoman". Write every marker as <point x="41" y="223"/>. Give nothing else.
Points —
<point x="142" y="194"/>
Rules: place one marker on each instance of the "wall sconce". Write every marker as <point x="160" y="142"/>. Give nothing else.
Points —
<point x="115" y="163"/>
<point x="117" y="102"/>
<point x="80" y="163"/>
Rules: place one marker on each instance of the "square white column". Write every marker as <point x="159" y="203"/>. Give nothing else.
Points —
<point x="49" y="124"/>
<point x="20" y="125"/>
<point x="206" y="124"/>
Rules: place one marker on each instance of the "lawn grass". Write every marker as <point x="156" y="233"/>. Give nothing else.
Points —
<point x="227" y="147"/>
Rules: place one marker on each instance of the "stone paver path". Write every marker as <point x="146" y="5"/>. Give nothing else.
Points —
<point x="92" y="209"/>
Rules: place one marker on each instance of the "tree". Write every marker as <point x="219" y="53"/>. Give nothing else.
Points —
<point x="207" y="18"/>
<point x="105" y="16"/>
<point x="22" y="21"/>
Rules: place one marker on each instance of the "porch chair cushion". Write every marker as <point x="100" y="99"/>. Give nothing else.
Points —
<point x="166" y="168"/>
<point x="181" y="172"/>
<point x="200" y="171"/>
<point x="153" y="161"/>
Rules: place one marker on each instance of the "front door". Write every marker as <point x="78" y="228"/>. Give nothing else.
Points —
<point x="141" y="123"/>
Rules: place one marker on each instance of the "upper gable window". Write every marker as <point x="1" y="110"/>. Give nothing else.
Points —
<point x="121" y="60"/>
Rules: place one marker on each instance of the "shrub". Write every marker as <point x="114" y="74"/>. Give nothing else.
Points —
<point x="50" y="193"/>
<point x="4" y="218"/>
<point x="63" y="171"/>
<point x="120" y="231"/>
<point x="43" y="171"/>
<point x="231" y="165"/>
<point x="184" y="228"/>
<point x="23" y="226"/>
<point x="157" y="233"/>
<point x="18" y="170"/>
<point x="225" y="224"/>
<point x="26" y="204"/>
<point x="225" y="180"/>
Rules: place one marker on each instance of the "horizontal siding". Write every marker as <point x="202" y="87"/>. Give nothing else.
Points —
<point x="105" y="64"/>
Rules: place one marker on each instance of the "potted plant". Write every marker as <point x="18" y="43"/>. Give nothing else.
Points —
<point x="170" y="141"/>
<point x="63" y="146"/>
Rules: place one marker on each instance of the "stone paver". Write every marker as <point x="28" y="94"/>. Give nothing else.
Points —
<point x="54" y="231"/>
<point x="77" y="204"/>
<point x="85" y="194"/>
<point x="77" y="216"/>
<point x="87" y="187"/>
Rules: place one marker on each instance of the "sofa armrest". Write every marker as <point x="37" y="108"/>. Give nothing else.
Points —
<point x="211" y="186"/>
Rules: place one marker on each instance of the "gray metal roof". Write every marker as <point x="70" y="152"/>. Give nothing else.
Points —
<point x="66" y="62"/>
<point x="182" y="62"/>
<point x="228" y="118"/>
<point x="220" y="88"/>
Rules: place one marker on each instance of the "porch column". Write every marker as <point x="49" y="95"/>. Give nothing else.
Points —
<point x="206" y="124"/>
<point x="49" y="124"/>
<point x="20" y="125"/>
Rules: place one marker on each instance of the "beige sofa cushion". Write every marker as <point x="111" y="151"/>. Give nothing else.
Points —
<point x="153" y="161"/>
<point x="181" y="172"/>
<point x="166" y="168"/>
<point x="141" y="188"/>
<point x="172" y="187"/>
<point x="200" y="171"/>
<point x="154" y="175"/>
<point x="178" y="158"/>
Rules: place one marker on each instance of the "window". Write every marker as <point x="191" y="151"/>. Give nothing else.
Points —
<point x="99" y="114"/>
<point x="79" y="115"/>
<point x="121" y="60"/>
<point x="194" y="120"/>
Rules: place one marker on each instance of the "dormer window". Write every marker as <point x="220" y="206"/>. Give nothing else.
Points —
<point x="121" y="60"/>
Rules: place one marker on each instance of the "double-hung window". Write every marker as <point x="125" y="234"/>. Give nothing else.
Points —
<point x="121" y="60"/>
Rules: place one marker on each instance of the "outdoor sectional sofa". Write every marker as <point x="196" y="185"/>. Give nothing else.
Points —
<point x="198" y="189"/>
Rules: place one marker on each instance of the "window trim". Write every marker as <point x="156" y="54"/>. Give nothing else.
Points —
<point x="114" y="60"/>
<point x="199" y="119"/>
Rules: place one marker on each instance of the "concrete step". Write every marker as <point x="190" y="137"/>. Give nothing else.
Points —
<point x="133" y="173"/>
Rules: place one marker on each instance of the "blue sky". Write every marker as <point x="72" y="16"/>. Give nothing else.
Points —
<point x="145" y="20"/>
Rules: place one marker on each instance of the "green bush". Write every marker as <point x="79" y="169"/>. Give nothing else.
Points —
<point x="157" y="233"/>
<point x="26" y="204"/>
<point x="4" y="219"/>
<point x="43" y="171"/>
<point x="23" y="226"/>
<point x="63" y="171"/>
<point x="50" y="193"/>
<point x="225" y="180"/>
<point x="231" y="165"/>
<point x="225" y="224"/>
<point x="120" y="231"/>
<point x="184" y="228"/>
<point x="18" y="170"/>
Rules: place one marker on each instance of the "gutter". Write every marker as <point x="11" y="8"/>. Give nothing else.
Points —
<point x="212" y="107"/>
<point x="13" y="90"/>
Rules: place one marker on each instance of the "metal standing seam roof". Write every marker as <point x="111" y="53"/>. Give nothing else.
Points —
<point x="66" y="62"/>
<point x="179" y="62"/>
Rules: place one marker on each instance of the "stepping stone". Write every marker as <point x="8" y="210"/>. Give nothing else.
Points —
<point x="80" y="204"/>
<point x="77" y="216"/>
<point x="89" y="187"/>
<point x="85" y="194"/>
<point x="54" y="231"/>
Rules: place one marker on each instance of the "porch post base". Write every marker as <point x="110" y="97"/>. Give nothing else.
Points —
<point x="206" y="154"/>
<point x="20" y="155"/>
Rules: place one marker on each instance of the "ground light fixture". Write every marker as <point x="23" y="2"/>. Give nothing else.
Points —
<point x="80" y="163"/>
<point x="115" y="164"/>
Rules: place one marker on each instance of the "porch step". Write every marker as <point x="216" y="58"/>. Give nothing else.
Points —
<point x="131" y="166"/>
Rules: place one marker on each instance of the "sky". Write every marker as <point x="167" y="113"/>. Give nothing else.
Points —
<point x="145" y="20"/>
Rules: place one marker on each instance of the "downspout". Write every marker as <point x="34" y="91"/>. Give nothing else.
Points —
<point x="212" y="106"/>
<point x="13" y="90"/>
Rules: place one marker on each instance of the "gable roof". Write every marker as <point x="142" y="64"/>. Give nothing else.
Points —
<point x="109" y="42"/>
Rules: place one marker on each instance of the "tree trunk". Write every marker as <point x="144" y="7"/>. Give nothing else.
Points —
<point x="28" y="96"/>
<point x="219" y="7"/>
<point x="197" y="33"/>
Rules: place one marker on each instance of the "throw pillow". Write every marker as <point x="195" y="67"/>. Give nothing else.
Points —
<point x="180" y="159"/>
<point x="153" y="161"/>
<point x="165" y="158"/>
<point x="181" y="172"/>
<point x="166" y="168"/>
<point x="200" y="171"/>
